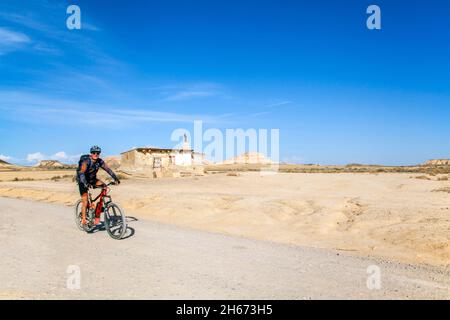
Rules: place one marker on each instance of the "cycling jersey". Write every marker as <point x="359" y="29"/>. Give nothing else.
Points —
<point x="87" y="170"/>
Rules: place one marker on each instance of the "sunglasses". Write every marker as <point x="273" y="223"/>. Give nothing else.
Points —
<point x="97" y="153"/>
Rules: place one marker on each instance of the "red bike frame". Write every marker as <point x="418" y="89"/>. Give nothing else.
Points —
<point x="99" y="207"/>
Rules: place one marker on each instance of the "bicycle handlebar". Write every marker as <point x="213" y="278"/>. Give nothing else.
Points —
<point x="112" y="183"/>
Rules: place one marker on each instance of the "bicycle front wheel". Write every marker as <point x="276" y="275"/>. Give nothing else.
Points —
<point x="78" y="207"/>
<point x="115" y="221"/>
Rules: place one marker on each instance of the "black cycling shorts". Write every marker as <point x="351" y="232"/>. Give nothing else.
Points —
<point x="82" y="189"/>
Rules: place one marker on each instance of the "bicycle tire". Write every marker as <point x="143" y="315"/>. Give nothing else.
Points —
<point x="115" y="217"/>
<point x="78" y="215"/>
<point x="78" y="218"/>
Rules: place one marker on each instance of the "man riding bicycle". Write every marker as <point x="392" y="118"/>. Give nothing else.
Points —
<point x="88" y="167"/>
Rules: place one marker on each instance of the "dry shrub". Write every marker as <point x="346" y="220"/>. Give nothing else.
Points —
<point x="446" y="189"/>
<point x="22" y="179"/>
<point x="232" y="174"/>
<point x="122" y="176"/>
<point x="423" y="178"/>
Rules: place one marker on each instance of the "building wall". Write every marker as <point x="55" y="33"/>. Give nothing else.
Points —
<point x="127" y="159"/>
<point x="144" y="160"/>
<point x="183" y="158"/>
<point x="160" y="163"/>
<point x="198" y="159"/>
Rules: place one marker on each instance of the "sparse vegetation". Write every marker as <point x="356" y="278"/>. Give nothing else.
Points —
<point x="56" y="178"/>
<point x="351" y="168"/>
<point x="16" y="179"/>
<point x="122" y="176"/>
<point x="423" y="177"/>
<point x="445" y="189"/>
<point x="233" y="174"/>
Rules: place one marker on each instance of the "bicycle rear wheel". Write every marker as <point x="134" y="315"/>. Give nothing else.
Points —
<point x="115" y="221"/>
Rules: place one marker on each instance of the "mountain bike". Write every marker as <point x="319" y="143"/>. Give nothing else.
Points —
<point x="113" y="216"/>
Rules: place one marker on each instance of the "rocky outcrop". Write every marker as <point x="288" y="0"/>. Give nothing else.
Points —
<point x="437" y="162"/>
<point x="50" y="164"/>
<point x="6" y="165"/>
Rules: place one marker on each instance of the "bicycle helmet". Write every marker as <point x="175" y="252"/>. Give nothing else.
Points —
<point x="96" y="149"/>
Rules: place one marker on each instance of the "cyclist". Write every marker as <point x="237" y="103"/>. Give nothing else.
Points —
<point x="88" y="167"/>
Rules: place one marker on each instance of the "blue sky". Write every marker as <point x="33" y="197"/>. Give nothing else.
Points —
<point x="338" y="92"/>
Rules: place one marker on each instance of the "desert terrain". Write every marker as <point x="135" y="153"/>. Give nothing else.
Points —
<point x="400" y="216"/>
<point x="40" y="247"/>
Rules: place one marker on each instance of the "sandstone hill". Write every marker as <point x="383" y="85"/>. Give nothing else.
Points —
<point x="5" y="164"/>
<point x="437" y="162"/>
<point x="50" y="164"/>
<point x="8" y="166"/>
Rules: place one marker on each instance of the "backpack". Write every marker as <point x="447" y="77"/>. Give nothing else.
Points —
<point x="82" y="159"/>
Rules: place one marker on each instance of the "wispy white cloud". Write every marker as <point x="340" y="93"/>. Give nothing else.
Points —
<point x="46" y="49"/>
<point x="8" y="36"/>
<point x="279" y="103"/>
<point x="64" y="157"/>
<point x="5" y="158"/>
<point x="182" y="92"/>
<point x="29" y="107"/>
<point x="25" y="21"/>
<point x="34" y="158"/>
<point x="185" y="95"/>
<point x="61" y="155"/>
<point x="52" y="37"/>
<point x="12" y="40"/>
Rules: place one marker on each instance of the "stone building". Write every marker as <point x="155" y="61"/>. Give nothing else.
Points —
<point x="158" y="162"/>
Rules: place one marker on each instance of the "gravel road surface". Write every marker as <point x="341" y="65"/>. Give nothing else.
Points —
<point x="42" y="252"/>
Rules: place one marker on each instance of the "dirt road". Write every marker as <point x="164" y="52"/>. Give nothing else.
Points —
<point x="40" y="248"/>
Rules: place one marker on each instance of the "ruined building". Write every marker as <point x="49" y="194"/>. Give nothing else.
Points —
<point x="158" y="162"/>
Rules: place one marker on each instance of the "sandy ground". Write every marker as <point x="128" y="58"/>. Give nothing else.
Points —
<point x="34" y="175"/>
<point x="41" y="249"/>
<point x="389" y="215"/>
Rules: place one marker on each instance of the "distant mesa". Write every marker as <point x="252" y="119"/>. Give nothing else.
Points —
<point x="5" y="164"/>
<point x="248" y="158"/>
<point x="50" y="164"/>
<point x="437" y="162"/>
